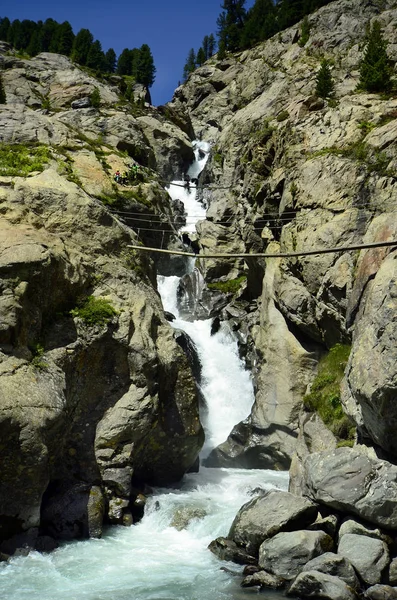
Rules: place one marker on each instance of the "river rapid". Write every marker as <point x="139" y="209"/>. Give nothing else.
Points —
<point x="157" y="559"/>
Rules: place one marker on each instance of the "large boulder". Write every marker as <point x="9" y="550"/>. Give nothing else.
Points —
<point x="287" y="553"/>
<point x="335" y="565"/>
<point x="268" y="514"/>
<point x="349" y="481"/>
<point x="369" y="556"/>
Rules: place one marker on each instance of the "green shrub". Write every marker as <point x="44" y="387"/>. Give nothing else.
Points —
<point x="324" y="396"/>
<point x="228" y="287"/>
<point x="20" y="160"/>
<point x="218" y="158"/>
<point x="94" y="311"/>
<point x="95" y="98"/>
<point x="37" y="361"/>
<point x="282" y="116"/>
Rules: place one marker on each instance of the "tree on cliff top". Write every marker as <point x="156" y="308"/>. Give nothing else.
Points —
<point x="145" y="69"/>
<point x="375" y="69"/>
<point x="230" y="24"/>
<point x="3" y="98"/>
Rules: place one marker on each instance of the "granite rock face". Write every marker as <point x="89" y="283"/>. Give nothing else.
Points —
<point x="91" y="409"/>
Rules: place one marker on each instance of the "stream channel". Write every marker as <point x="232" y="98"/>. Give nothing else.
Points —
<point x="153" y="560"/>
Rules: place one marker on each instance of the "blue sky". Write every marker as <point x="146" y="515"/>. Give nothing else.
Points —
<point x="170" y="28"/>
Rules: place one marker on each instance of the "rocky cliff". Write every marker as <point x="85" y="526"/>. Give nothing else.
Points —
<point x="291" y="172"/>
<point x="97" y="397"/>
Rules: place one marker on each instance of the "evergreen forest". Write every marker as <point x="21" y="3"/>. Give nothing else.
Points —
<point x="240" y="29"/>
<point x="31" y="38"/>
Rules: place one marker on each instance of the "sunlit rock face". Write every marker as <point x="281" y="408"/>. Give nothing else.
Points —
<point x="90" y="410"/>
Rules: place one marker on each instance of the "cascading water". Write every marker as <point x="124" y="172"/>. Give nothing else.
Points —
<point x="165" y="556"/>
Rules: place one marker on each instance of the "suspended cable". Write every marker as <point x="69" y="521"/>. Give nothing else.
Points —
<point x="270" y="255"/>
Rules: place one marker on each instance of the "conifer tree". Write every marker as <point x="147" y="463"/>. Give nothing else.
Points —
<point x="4" y="27"/>
<point x="145" y="67"/>
<point x="65" y="38"/>
<point x="204" y="47"/>
<point x="110" y="60"/>
<point x="211" y="45"/>
<point x="200" y="58"/>
<point x="34" y="45"/>
<point x="95" y="57"/>
<point x="260" y="23"/>
<point x="46" y="34"/>
<point x="190" y="64"/>
<point x="375" y="69"/>
<point x="3" y="98"/>
<point x="124" y="63"/>
<point x="230" y="24"/>
<point x="81" y="46"/>
<point x="324" y="82"/>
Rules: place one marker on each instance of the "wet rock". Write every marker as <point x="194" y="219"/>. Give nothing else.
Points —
<point x="369" y="556"/>
<point x="183" y="516"/>
<point x="287" y="553"/>
<point x="226" y="549"/>
<point x="335" y="565"/>
<point x="262" y="579"/>
<point x="313" y="584"/>
<point x="268" y="514"/>
<point x="349" y="481"/>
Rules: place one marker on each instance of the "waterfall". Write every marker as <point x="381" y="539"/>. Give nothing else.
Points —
<point x="165" y="556"/>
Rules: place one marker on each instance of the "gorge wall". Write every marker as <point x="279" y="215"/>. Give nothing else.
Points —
<point x="93" y="409"/>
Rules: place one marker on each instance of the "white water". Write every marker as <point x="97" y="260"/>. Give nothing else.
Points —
<point x="153" y="560"/>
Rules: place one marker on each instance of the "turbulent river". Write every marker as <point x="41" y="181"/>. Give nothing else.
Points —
<point x="153" y="560"/>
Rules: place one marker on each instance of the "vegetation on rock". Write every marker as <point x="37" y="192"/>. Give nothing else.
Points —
<point x="20" y="160"/>
<point x="93" y="310"/>
<point x="324" y="395"/>
<point x="228" y="287"/>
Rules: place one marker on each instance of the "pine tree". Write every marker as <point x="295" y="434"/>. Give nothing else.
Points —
<point x="324" y="81"/>
<point x="4" y="27"/>
<point x="124" y="63"/>
<point x="200" y="58"/>
<point x="95" y="57"/>
<point x="81" y="46"/>
<point x="65" y="39"/>
<point x="110" y="60"/>
<point x="3" y="98"/>
<point x="46" y="34"/>
<point x="204" y="47"/>
<point x="145" y="68"/>
<point x="211" y="45"/>
<point x="375" y="69"/>
<point x="190" y="64"/>
<point x="230" y="24"/>
<point x="34" y="45"/>
<point x="260" y="23"/>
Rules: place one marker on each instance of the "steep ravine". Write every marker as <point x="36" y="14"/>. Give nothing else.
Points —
<point x="92" y="410"/>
